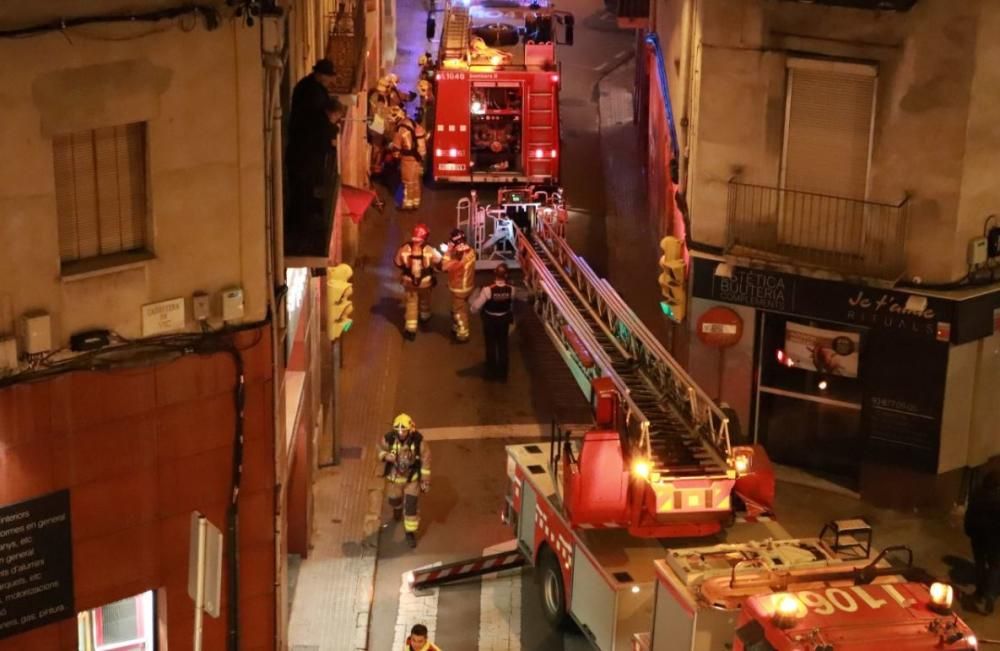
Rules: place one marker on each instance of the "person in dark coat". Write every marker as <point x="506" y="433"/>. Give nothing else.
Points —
<point x="309" y="154"/>
<point x="982" y="526"/>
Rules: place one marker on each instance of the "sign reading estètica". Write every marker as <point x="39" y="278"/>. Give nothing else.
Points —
<point x="36" y="563"/>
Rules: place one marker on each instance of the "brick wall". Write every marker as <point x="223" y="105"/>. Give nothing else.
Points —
<point x="139" y="450"/>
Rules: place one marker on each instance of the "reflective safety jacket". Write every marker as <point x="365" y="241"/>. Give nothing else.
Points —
<point x="417" y="264"/>
<point x="413" y="457"/>
<point x="460" y="265"/>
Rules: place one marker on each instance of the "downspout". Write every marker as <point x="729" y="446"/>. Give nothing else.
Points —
<point x="274" y="65"/>
<point x="687" y="27"/>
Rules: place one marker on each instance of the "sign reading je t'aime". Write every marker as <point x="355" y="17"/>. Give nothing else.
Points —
<point x="36" y="563"/>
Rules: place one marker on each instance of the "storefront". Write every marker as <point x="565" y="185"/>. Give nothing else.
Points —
<point x="833" y="377"/>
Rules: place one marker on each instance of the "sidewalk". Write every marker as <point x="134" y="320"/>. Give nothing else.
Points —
<point x="803" y="506"/>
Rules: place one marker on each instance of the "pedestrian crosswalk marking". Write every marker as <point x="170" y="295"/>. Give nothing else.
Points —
<point x="415" y="608"/>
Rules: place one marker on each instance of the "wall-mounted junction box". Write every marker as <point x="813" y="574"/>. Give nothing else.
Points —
<point x="977" y="251"/>
<point x="36" y="332"/>
<point x="8" y="354"/>
<point x="232" y="304"/>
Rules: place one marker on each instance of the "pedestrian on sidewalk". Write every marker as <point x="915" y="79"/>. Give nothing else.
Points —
<point x="418" y="640"/>
<point x="460" y="264"/>
<point x="417" y="261"/>
<point x="982" y="526"/>
<point x="407" y="472"/>
<point x="497" y="304"/>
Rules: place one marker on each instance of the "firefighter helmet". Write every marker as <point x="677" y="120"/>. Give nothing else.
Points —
<point x="403" y="422"/>
<point x="457" y="236"/>
<point x="383" y="85"/>
<point x="420" y="232"/>
<point x="392" y="78"/>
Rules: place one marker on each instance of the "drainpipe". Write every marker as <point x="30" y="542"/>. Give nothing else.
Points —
<point x="687" y="27"/>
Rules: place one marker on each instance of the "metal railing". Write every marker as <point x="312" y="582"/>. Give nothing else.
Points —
<point x="627" y="334"/>
<point x="851" y="236"/>
<point x="346" y="46"/>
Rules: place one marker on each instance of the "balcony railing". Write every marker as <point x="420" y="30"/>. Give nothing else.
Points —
<point x="853" y="237"/>
<point x="346" y="46"/>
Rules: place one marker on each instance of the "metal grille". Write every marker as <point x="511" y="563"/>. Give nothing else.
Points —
<point x="119" y="621"/>
<point x="100" y="179"/>
<point x="346" y="46"/>
<point x="854" y="237"/>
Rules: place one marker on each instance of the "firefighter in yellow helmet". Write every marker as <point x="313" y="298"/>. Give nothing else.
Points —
<point x="410" y="145"/>
<point x="417" y="260"/>
<point x="460" y="264"/>
<point x="380" y="129"/>
<point x="407" y="473"/>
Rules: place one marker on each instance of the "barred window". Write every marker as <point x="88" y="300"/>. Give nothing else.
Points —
<point x="100" y="179"/>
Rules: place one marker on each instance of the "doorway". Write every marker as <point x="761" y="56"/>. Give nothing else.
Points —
<point x="809" y="395"/>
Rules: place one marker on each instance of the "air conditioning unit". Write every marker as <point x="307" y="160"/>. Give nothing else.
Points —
<point x="874" y="5"/>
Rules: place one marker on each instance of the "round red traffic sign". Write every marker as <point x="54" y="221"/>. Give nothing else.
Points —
<point x="720" y="327"/>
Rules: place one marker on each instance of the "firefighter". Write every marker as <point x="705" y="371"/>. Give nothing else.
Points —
<point x="410" y="146"/>
<point x="425" y="111"/>
<point x="427" y="65"/>
<point x="460" y="265"/>
<point x="407" y="472"/>
<point x="380" y="129"/>
<point x="396" y="96"/>
<point x="497" y="304"/>
<point x="418" y="640"/>
<point x="417" y="261"/>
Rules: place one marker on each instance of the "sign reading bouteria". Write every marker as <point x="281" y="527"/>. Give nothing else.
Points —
<point x="719" y="327"/>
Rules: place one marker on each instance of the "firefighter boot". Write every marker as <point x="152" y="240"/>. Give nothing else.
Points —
<point x="411" y="539"/>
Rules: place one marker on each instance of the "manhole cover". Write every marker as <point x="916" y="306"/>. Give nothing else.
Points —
<point x="348" y="453"/>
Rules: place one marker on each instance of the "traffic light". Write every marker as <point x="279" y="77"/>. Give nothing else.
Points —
<point x="671" y="279"/>
<point x="338" y="300"/>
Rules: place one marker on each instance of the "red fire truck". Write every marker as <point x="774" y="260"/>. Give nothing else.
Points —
<point x="496" y="116"/>
<point x="798" y="595"/>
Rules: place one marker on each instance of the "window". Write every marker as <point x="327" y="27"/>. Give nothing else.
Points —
<point x="828" y="127"/>
<point x="100" y="178"/>
<point x="126" y="625"/>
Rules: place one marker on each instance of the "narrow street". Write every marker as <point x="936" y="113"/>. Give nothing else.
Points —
<point x="468" y="420"/>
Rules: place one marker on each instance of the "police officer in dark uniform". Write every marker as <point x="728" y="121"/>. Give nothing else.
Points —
<point x="497" y="304"/>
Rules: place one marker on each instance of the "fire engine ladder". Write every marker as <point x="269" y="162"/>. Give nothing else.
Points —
<point x="455" y="34"/>
<point x="667" y="417"/>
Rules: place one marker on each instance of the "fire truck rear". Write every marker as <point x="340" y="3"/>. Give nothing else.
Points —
<point x="496" y="103"/>
<point x="798" y="595"/>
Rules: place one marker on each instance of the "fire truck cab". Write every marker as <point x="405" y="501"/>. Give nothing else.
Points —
<point x="797" y="595"/>
<point x="496" y="116"/>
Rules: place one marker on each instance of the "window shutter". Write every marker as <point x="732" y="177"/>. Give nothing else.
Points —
<point x="828" y="130"/>
<point x="101" y="191"/>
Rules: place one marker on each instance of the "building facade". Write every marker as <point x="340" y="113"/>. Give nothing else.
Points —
<point x="829" y="167"/>
<point x="160" y="355"/>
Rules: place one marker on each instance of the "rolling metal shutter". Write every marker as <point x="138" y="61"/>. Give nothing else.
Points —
<point x="828" y="127"/>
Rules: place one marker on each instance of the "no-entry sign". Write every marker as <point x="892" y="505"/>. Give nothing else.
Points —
<point x="720" y="327"/>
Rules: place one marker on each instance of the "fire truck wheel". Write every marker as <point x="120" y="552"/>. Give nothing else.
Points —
<point x="551" y="589"/>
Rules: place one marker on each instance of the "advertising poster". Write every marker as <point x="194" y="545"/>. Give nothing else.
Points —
<point x="832" y="352"/>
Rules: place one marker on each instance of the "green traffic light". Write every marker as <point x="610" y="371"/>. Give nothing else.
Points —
<point x="667" y="309"/>
<point x="348" y="324"/>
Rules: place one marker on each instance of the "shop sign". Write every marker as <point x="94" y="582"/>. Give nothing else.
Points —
<point x="821" y="299"/>
<point x="36" y="564"/>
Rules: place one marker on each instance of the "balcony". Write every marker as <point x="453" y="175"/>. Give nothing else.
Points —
<point x="852" y="237"/>
<point x="632" y="14"/>
<point x="346" y="47"/>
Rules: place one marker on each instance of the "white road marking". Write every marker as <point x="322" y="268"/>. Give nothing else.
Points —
<point x="415" y="608"/>
<point x="516" y="431"/>
<point x="500" y="606"/>
<point x="622" y="54"/>
<point x="603" y="66"/>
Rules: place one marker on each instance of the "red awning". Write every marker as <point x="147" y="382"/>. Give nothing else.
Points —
<point x="355" y="201"/>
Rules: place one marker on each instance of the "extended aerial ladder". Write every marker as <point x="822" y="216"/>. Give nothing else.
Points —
<point x="672" y="433"/>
